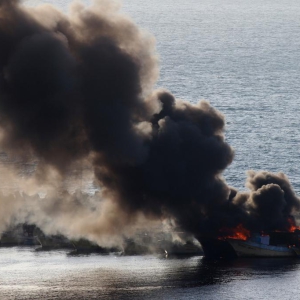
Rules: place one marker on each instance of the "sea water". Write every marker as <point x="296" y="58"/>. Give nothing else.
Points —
<point x="35" y="275"/>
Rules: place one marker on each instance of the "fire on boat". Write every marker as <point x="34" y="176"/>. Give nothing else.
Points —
<point x="245" y="244"/>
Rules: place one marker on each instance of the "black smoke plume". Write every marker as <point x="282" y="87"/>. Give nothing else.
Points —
<point x="78" y="87"/>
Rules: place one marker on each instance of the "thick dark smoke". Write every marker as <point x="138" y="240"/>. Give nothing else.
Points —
<point x="272" y="201"/>
<point x="78" y="87"/>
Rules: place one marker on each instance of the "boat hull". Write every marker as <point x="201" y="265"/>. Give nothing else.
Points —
<point x="252" y="249"/>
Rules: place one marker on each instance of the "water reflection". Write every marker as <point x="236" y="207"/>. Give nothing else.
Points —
<point x="216" y="272"/>
<point x="27" y="274"/>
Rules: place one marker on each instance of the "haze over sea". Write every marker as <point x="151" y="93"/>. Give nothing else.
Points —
<point x="242" y="56"/>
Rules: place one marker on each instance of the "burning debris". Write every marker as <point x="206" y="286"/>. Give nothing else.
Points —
<point x="77" y="90"/>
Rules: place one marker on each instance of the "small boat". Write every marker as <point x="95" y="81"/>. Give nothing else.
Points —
<point x="274" y="244"/>
<point x="254" y="249"/>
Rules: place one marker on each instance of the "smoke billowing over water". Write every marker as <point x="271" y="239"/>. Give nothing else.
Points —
<point x="76" y="91"/>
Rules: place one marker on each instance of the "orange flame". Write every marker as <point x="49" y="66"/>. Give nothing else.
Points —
<point x="293" y="226"/>
<point x="237" y="233"/>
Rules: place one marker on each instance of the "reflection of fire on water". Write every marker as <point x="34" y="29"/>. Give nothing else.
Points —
<point x="237" y="233"/>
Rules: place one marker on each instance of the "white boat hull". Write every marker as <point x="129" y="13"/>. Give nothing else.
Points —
<point x="252" y="249"/>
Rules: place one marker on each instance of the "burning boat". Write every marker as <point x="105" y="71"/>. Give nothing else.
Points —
<point x="276" y="244"/>
<point x="273" y="244"/>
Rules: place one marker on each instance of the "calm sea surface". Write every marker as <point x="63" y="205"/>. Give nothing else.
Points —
<point x="29" y="274"/>
<point x="244" y="57"/>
